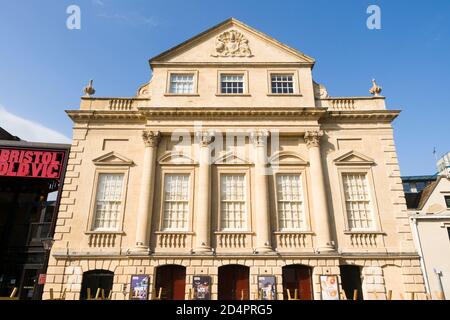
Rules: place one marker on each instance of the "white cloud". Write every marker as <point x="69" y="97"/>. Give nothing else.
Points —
<point x="28" y="130"/>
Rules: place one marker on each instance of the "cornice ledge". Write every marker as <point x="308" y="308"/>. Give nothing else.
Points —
<point x="387" y="115"/>
<point x="315" y="113"/>
<point x="77" y="115"/>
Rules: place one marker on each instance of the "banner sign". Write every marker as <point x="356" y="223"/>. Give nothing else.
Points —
<point x="139" y="287"/>
<point x="31" y="163"/>
<point x="329" y="285"/>
<point x="266" y="288"/>
<point x="202" y="287"/>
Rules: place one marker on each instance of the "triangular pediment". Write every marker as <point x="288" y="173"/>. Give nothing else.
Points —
<point x="229" y="42"/>
<point x="353" y="158"/>
<point x="176" y="157"/>
<point x="112" y="158"/>
<point x="231" y="158"/>
<point x="287" y="158"/>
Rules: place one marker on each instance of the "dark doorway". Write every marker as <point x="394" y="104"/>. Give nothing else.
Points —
<point x="297" y="277"/>
<point x="172" y="280"/>
<point x="351" y="281"/>
<point x="233" y="282"/>
<point x="96" y="279"/>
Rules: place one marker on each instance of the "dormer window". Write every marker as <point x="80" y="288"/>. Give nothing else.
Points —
<point x="231" y="83"/>
<point x="181" y="83"/>
<point x="282" y="83"/>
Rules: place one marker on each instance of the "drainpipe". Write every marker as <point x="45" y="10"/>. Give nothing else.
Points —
<point x="420" y="252"/>
<point x="439" y="277"/>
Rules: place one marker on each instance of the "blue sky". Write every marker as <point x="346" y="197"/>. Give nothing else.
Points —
<point x="44" y="66"/>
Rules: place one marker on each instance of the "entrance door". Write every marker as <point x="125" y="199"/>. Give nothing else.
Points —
<point x="172" y="280"/>
<point x="351" y="281"/>
<point x="233" y="282"/>
<point x="96" y="279"/>
<point x="297" y="277"/>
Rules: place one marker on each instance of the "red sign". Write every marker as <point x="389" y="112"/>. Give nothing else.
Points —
<point x="31" y="163"/>
<point x="42" y="278"/>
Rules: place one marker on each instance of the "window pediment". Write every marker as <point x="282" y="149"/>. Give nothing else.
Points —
<point x="113" y="159"/>
<point x="354" y="158"/>
<point x="177" y="157"/>
<point x="287" y="158"/>
<point x="231" y="158"/>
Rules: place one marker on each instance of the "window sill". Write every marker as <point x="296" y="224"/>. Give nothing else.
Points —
<point x="181" y="95"/>
<point x="174" y="232"/>
<point x="284" y="95"/>
<point x="233" y="95"/>
<point x="104" y="232"/>
<point x="293" y="232"/>
<point x="233" y="232"/>
<point x="364" y="232"/>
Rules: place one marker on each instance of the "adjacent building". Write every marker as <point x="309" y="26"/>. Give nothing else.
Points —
<point x="29" y="173"/>
<point x="232" y="168"/>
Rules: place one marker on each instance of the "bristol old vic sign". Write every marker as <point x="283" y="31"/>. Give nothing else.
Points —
<point x="32" y="163"/>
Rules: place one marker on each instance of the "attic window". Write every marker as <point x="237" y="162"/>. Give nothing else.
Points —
<point x="282" y="83"/>
<point x="232" y="83"/>
<point x="181" y="83"/>
<point x="447" y="201"/>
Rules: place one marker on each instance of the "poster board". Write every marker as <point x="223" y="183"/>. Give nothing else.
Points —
<point x="139" y="287"/>
<point x="329" y="287"/>
<point x="202" y="287"/>
<point x="267" y="287"/>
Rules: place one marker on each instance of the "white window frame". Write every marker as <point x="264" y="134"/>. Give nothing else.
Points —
<point x="304" y="201"/>
<point x="178" y="170"/>
<point x="234" y="171"/>
<point x="295" y="79"/>
<point x="367" y="170"/>
<point x="182" y="72"/>
<point x="221" y="73"/>
<point x="186" y="217"/>
<point x="92" y="211"/>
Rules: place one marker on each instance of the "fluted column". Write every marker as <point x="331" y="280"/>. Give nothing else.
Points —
<point x="319" y="199"/>
<point x="261" y="203"/>
<point x="203" y="194"/>
<point x="144" y="215"/>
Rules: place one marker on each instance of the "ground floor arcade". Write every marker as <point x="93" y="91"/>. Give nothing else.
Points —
<point x="237" y="277"/>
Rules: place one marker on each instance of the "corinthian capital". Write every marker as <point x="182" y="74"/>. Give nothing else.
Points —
<point x="259" y="137"/>
<point x="204" y="138"/>
<point x="151" y="138"/>
<point x="312" y="138"/>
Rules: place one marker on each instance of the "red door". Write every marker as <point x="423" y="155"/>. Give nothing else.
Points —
<point x="172" y="280"/>
<point x="298" y="278"/>
<point x="233" y="282"/>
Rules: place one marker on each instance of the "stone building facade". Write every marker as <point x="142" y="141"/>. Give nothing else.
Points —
<point x="233" y="156"/>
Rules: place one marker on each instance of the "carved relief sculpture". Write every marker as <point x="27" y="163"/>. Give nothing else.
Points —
<point x="232" y="44"/>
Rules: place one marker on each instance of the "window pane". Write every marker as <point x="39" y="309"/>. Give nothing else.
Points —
<point x="232" y="84"/>
<point x="176" y="201"/>
<point x="181" y="83"/>
<point x="290" y="202"/>
<point x="357" y="201"/>
<point x="282" y="84"/>
<point x="233" y="202"/>
<point x="108" y="201"/>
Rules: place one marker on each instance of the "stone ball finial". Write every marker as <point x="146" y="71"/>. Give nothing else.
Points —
<point x="89" y="89"/>
<point x="376" y="89"/>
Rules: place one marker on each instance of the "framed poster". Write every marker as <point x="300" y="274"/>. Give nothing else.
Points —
<point x="139" y="287"/>
<point x="329" y="286"/>
<point x="266" y="288"/>
<point x="202" y="287"/>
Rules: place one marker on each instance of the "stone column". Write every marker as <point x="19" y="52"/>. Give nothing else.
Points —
<point x="203" y="194"/>
<point x="261" y="201"/>
<point x="319" y="198"/>
<point x="144" y="215"/>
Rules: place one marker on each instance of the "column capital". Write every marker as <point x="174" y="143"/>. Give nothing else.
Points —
<point x="151" y="138"/>
<point x="312" y="138"/>
<point x="259" y="137"/>
<point x="204" y="138"/>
